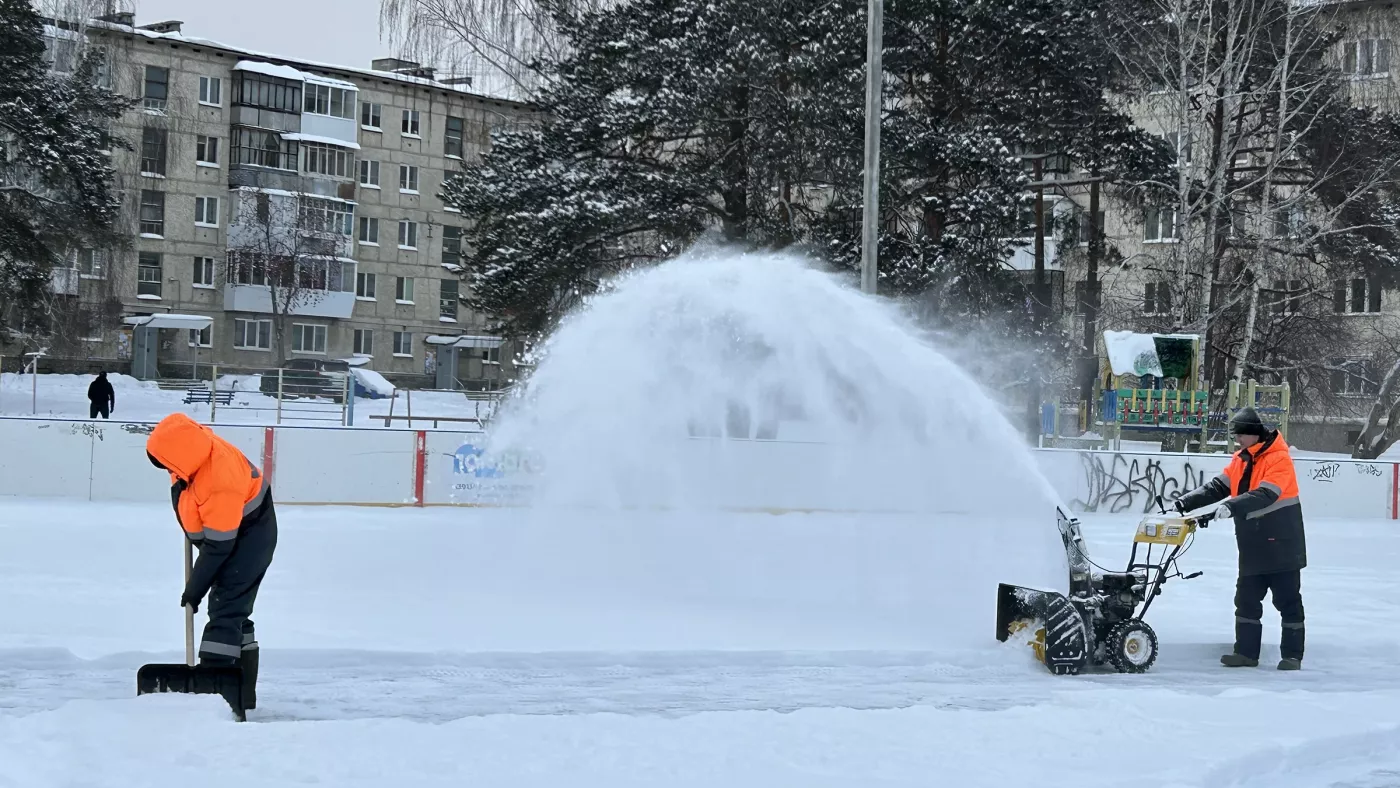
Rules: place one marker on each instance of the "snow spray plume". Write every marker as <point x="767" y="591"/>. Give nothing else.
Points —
<point x="754" y="380"/>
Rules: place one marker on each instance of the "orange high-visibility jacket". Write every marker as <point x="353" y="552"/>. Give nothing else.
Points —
<point x="1262" y="491"/>
<point x="213" y="485"/>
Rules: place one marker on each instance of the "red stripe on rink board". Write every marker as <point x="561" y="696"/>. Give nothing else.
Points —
<point x="1395" y="492"/>
<point x="420" y="465"/>
<point x="269" y="454"/>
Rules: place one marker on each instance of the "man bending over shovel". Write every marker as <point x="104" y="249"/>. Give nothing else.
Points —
<point x="223" y="503"/>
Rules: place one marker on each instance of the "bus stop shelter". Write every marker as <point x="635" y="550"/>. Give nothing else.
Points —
<point x="145" y="339"/>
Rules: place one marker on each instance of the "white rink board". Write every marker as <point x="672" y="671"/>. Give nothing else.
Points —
<point x="106" y="461"/>
<point x="343" y="466"/>
<point x="1113" y="482"/>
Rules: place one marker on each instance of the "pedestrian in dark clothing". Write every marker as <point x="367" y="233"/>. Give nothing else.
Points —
<point x="1262" y="491"/>
<point x="101" y="398"/>
<point x="223" y="503"/>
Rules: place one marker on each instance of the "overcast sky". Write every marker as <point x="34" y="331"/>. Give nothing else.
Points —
<point x="336" y="32"/>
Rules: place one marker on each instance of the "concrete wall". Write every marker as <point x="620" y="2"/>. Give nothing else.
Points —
<point x="328" y="465"/>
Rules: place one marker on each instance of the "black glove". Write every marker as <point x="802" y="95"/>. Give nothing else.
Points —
<point x="1179" y="506"/>
<point x="190" y="600"/>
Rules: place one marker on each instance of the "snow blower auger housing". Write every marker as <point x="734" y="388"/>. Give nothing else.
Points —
<point x="1101" y="619"/>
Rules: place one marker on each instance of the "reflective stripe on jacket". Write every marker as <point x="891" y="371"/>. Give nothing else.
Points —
<point x="1261" y="488"/>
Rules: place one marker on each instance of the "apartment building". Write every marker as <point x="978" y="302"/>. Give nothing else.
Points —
<point x="1143" y="284"/>
<point x="262" y="190"/>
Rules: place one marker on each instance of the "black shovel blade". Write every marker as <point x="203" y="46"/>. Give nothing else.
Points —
<point x="225" y="680"/>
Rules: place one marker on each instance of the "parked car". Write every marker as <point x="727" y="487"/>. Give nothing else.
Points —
<point x="308" y="377"/>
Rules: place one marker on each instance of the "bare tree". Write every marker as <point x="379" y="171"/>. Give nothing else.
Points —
<point x="499" y="43"/>
<point x="294" y="244"/>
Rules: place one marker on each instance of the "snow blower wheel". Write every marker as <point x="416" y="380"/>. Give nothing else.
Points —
<point x="1132" y="647"/>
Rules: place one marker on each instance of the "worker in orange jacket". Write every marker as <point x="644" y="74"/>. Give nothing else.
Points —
<point x="1260" y="492"/>
<point x="224" y="505"/>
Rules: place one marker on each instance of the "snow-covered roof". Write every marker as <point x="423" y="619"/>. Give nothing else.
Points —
<point x="332" y="81"/>
<point x="281" y="72"/>
<point x="299" y="137"/>
<point x="195" y="322"/>
<point x="285" y="193"/>
<point x="466" y="341"/>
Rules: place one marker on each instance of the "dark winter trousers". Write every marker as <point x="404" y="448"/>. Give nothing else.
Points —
<point x="229" y="636"/>
<point x="95" y="408"/>
<point x="1286" y="588"/>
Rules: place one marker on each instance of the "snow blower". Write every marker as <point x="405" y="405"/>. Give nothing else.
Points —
<point x="1101" y="620"/>
<point x="191" y="678"/>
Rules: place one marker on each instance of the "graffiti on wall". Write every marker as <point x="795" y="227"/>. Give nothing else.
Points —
<point x="1127" y="483"/>
<point x="1325" y="472"/>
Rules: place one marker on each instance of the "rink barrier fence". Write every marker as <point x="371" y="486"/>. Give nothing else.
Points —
<point x="335" y="466"/>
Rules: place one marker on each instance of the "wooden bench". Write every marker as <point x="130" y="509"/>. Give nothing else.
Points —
<point x="205" y="395"/>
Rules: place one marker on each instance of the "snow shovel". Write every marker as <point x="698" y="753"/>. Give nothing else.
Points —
<point x="225" y="680"/>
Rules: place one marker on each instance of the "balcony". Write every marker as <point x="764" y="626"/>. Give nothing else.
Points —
<point x="311" y="303"/>
<point x="1023" y="255"/>
<point x="64" y="281"/>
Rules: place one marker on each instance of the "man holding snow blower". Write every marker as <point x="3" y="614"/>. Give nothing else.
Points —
<point x="1260" y="490"/>
<point x="224" y="505"/>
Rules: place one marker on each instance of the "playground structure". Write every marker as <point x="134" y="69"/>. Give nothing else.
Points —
<point x="1148" y="384"/>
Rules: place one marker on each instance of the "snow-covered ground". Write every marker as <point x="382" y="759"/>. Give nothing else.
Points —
<point x="445" y="648"/>
<point x="65" y="396"/>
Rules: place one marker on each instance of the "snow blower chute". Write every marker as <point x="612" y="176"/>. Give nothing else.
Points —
<point x="1101" y="620"/>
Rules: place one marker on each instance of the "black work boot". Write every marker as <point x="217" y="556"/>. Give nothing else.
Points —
<point x="1288" y="663"/>
<point x="250" y="678"/>
<point x="1239" y="661"/>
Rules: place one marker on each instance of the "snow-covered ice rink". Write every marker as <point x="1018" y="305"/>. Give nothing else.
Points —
<point x="450" y="647"/>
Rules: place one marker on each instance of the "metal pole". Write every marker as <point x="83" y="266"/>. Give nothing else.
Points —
<point x="279" y="395"/>
<point x="874" y="83"/>
<point x="213" y="390"/>
<point x="34" y="382"/>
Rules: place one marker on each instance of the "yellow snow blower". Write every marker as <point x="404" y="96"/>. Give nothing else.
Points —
<point x="1101" y="620"/>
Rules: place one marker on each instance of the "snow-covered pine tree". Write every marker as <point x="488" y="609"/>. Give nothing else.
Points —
<point x="55" y="169"/>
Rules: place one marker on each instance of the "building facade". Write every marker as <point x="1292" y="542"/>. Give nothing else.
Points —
<point x="295" y="204"/>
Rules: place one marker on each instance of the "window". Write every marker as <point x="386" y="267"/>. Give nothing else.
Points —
<point x="327" y="216"/>
<point x="203" y="272"/>
<point x="206" y="211"/>
<point x="265" y="92"/>
<point x="327" y="100"/>
<point x="364" y="286"/>
<point x="206" y="150"/>
<point x="408" y="235"/>
<point x="1025" y="221"/>
<point x="1157" y="299"/>
<point x="403" y="290"/>
<point x="157" y="89"/>
<point x="369" y="231"/>
<point x="1083" y="295"/>
<point x="210" y="91"/>
<point x="1181" y="143"/>
<point x="410" y="126"/>
<point x="1367" y="57"/>
<point x="452" y="144"/>
<point x="1083" y="226"/>
<point x="318" y="159"/>
<point x="1288" y="223"/>
<point x="247" y="268"/>
<point x="1356" y="296"/>
<point x="261" y="148"/>
<point x="152" y="212"/>
<point x="153" y="146"/>
<point x="1285" y="297"/>
<point x="364" y="342"/>
<point x="202" y="337"/>
<point x="369" y="174"/>
<point x="1354" y="377"/>
<point x="308" y="338"/>
<point x="403" y="344"/>
<point x="447" y="300"/>
<point x="370" y="114"/>
<point x="408" y="178"/>
<point x="148" y="276"/>
<point x="91" y="264"/>
<point x="451" y="245"/>
<point x="252" y="334"/>
<point x="1160" y="225"/>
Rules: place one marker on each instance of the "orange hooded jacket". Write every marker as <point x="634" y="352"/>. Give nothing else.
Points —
<point x="220" y="485"/>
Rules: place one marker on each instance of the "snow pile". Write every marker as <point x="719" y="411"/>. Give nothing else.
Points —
<point x="734" y="381"/>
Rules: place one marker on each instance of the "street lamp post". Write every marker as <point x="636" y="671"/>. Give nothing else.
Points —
<point x="874" y="73"/>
